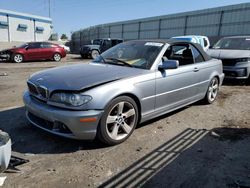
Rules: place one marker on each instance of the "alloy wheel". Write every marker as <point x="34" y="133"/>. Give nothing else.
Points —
<point x="121" y="120"/>
<point x="213" y="89"/>
<point x="94" y="54"/>
<point x="18" y="58"/>
<point x="57" y="57"/>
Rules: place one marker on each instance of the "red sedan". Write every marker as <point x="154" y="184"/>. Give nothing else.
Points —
<point x="34" y="51"/>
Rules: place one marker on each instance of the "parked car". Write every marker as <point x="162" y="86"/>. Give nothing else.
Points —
<point x="235" y="55"/>
<point x="202" y="40"/>
<point x="98" y="46"/>
<point x="128" y="84"/>
<point x="33" y="51"/>
<point x="66" y="48"/>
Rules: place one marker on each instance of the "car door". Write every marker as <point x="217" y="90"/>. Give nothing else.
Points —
<point x="176" y="87"/>
<point x="46" y="50"/>
<point x="106" y="44"/>
<point x="203" y="71"/>
<point x="33" y="51"/>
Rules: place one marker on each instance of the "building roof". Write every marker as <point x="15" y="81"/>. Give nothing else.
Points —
<point x="24" y="16"/>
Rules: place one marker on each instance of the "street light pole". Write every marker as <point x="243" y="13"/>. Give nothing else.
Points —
<point x="49" y="8"/>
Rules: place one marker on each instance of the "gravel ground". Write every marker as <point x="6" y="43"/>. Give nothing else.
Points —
<point x="196" y="146"/>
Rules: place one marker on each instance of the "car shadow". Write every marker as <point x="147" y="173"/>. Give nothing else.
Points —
<point x="193" y="158"/>
<point x="29" y="139"/>
<point x="234" y="82"/>
<point x="78" y="57"/>
<point x="163" y="116"/>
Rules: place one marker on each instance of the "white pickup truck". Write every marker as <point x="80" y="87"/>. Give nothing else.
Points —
<point x="202" y="40"/>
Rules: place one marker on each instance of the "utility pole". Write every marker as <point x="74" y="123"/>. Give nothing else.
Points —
<point x="49" y="8"/>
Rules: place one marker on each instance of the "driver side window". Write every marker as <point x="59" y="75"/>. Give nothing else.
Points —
<point x="34" y="45"/>
<point x="180" y="52"/>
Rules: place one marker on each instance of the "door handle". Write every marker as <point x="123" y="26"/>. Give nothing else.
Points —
<point x="196" y="69"/>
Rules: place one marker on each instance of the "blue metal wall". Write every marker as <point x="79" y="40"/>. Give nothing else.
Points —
<point x="214" y="23"/>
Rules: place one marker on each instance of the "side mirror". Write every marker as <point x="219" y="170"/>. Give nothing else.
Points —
<point x="26" y="47"/>
<point x="169" y="64"/>
<point x="210" y="47"/>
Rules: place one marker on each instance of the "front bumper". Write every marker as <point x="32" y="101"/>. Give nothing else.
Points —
<point x="59" y="121"/>
<point x="5" y="56"/>
<point x="85" y="52"/>
<point x="234" y="72"/>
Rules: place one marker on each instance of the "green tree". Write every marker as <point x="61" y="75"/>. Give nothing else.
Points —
<point x="64" y="37"/>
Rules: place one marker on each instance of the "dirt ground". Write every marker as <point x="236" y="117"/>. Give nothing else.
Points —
<point x="196" y="146"/>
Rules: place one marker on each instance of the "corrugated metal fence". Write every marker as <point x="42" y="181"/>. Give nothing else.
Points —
<point x="214" y="22"/>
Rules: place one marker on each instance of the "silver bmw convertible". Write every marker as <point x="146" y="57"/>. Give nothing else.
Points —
<point x="128" y="84"/>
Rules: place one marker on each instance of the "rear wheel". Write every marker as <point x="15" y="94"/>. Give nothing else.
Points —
<point x="57" y="57"/>
<point x="94" y="54"/>
<point x="212" y="91"/>
<point x="18" y="58"/>
<point x="118" y="121"/>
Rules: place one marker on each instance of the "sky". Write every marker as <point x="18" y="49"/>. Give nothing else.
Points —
<point x="72" y="15"/>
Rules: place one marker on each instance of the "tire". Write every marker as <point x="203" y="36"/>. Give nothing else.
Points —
<point x="18" y="58"/>
<point x="57" y="57"/>
<point x="118" y="121"/>
<point x="94" y="54"/>
<point x="212" y="91"/>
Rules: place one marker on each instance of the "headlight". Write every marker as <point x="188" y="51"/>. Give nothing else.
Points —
<point x="71" y="99"/>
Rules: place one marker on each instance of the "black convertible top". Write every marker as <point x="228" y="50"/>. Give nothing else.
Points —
<point x="174" y="41"/>
<point x="198" y="46"/>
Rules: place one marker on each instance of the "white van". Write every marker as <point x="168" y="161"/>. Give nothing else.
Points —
<point x="202" y="40"/>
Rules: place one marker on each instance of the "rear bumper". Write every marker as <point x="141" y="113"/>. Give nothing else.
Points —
<point x="61" y="122"/>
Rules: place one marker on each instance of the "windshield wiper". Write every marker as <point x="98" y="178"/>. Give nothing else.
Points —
<point x="120" y="61"/>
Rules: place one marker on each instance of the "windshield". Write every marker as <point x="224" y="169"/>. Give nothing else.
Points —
<point x="97" y="41"/>
<point x="138" y="54"/>
<point x="23" y="45"/>
<point x="233" y="43"/>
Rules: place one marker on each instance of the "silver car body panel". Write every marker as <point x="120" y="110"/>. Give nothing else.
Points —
<point x="156" y="92"/>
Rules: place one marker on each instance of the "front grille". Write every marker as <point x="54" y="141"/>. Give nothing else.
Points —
<point x="32" y="88"/>
<point x="229" y="62"/>
<point x="85" y="49"/>
<point x="39" y="92"/>
<point x="43" y="91"/>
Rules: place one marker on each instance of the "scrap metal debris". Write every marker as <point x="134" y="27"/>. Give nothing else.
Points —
<point x="4" y="74"/>
<point x="2" y="179"/>
<point x="16" y="161"/>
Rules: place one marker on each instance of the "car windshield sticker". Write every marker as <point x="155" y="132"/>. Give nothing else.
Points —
<point x="153" y="44"/>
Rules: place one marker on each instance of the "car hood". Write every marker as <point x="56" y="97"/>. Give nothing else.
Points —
<point x="228" y="54"/>
<point x="82" y="76"/>
<point x="10" y="49"/>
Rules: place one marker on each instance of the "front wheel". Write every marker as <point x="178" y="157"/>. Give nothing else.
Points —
<point x="57" y="57"/>
<point x="18" y="58"/>
<point x="94" y="54"/>
<point x="212" y="91"/>
<point x="118" y="121"/>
